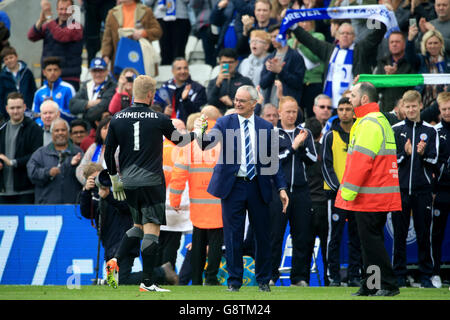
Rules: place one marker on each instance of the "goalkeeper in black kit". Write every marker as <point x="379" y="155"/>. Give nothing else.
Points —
<point x="138" y="132"/>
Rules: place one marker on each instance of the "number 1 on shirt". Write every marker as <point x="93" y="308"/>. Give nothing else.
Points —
<point x="136" y="136"/>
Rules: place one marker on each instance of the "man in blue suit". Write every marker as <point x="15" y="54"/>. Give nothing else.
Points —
<point x="242" y="179"/>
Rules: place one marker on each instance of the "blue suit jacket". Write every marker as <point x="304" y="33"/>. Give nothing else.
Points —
<point x="227" y="131"/>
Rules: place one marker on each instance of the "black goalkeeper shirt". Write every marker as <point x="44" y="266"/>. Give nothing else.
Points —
<point x="138" y="132"/>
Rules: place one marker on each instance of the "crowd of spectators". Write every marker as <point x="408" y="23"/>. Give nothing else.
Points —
<point x="53" y="131"/>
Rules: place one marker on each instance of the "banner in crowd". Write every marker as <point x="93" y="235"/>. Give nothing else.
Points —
<point x="405" y="80"/>
<point x="372" y="12"/>
<point x="55" y="245"/>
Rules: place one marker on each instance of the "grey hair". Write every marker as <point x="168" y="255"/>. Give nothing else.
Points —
<point x="50" y="103"/>
<point x="320" y="96"/>
<point x="267" y="106"/>
<point x="59" y="120"/>
<point x="251" y="90"/>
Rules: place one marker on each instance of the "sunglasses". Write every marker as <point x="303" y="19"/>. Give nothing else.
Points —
<point x="326" y="107"/>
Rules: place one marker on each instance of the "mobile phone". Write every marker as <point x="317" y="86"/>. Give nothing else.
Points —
<point x="412" y="22"/>
<point x="225" y="68"/>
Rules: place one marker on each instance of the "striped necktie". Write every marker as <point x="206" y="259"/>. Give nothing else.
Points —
<point x="249" y="159"/>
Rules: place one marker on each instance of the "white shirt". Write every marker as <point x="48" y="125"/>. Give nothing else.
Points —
<point x="251" y="127"/>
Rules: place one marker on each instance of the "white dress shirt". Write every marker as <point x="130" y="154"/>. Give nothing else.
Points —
<point x="251" y="127"/>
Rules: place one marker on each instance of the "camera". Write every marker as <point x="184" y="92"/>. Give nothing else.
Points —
<point x="130" y="79"/>
<point x="102" y="180"/>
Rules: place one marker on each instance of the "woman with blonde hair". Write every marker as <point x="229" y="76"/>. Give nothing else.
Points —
<point x="431" y="59"/>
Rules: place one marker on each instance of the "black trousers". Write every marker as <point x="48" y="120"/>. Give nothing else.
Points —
<point x="319" y="228"/>
<point x="201" y="238"/>
<point x="420" y="206"/>
<point x="371" y="234"/>
<point x="174" y="39"/>
<point x="169" y="243"/>
<point x="441" y="211"/>
<point x="95" y="14"/>
<point x="299" y="215"/>
<point x="336" y="221"/>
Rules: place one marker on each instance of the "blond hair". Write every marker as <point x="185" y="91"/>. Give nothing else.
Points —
<point x="411" y="96"/>
<point x="262" y="35"/>
<point x="91" y="168"/>
<point x="142" y="85"/>
<point x="443" y="97"/>
<point x="427" y="36"/>
<point x="212" y="112"/>
<point x="284" y="100"/>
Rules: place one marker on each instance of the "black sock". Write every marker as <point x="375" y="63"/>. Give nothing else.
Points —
<point x="149" y="249"/>
<point x="130" y="241"/>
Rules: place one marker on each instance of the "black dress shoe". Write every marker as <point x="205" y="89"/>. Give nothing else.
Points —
<point x="232" y="288"/>
<point x="386" y="293"/>
<point x="363" y="292"/>
<point x="264" y="287"/>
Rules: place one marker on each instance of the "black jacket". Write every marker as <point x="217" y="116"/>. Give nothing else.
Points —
<point x="416" y="171"/>
<point x="293" y="161"/>
<point x="115" y="219"/>
<point x="77" y="104"/>
<point x="29" y="139"/>
<point x="196" y="98"/>
<point x="227" y="88"/>
<point x="442" y="182"/>
<point x="25" y="84"/>
<point x="389" y="96"/>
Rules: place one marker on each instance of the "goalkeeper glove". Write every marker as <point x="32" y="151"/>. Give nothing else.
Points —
<point x="117" y="187"/>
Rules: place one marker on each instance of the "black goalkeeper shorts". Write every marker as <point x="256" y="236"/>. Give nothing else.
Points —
<point x="147" y="204"/>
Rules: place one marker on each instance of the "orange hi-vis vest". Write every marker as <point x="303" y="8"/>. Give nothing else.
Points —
<point x="196" y="167"/>
<point x="370" y="182"/>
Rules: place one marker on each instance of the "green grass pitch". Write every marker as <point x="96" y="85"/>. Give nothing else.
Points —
<point x="27" y="292"/>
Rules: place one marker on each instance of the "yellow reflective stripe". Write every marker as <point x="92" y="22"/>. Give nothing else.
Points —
<point x="371" y="190"/>
<point x="199" y="169"/>
<point x="363" y="150"/>
<point x="205" y="201"/>
<point x="175" y="191"/>
<point x="181" y="166"/>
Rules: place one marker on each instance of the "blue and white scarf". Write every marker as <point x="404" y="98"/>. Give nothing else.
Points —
<point x="169" y="7"/>
<point x="339" y="76"/>
<point x="372" y="12"/>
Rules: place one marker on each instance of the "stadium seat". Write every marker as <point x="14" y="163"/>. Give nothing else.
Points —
<point x="164" y="74"/>
<point x="190" y="47"/>
<point x="287" y="253"/>
<point x="201" y="73"/>
<point x="215" y="72"/>
<point x="198" y="54"/>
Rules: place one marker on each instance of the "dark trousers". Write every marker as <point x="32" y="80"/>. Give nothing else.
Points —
<point x="18" y="199"/>
<point x="174" y="39"/>
<point x="95" y="14"/>
<point x="208" y="46"/>
<point x="371" y="234"/>
<point x="246" y="196"/>
<point x="336" y="222"/>
<point x="307" y="100"/>
<point x="169" y="243"/>
<point x="420" y="205"/>
<point x="201" y="238"/>
<point x="298" y="214"/>
<point x="440" y="217"/>
<point x="319" y="228"/>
